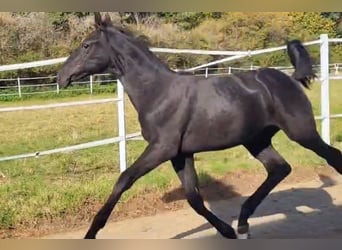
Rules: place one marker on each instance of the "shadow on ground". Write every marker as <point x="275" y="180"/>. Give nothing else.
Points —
<point x="293" y="213"/>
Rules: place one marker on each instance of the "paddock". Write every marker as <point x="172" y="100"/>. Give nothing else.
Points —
<point x="305" y="210"/>
<point x="324" y="77"/>
<point x="122" y="137"/>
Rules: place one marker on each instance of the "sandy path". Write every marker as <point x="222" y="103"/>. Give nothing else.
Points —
<point x="307" y="210"/>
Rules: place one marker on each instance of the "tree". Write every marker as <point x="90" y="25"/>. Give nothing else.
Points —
<point x="136" y="18"/>
<point x="60" y="19"/>
<point x="188" y="20"/>
<point x="337" y="18"/>
<point x="309" y="25"/>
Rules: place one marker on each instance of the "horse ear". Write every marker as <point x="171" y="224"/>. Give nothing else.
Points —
<point x="98" y="20"/>
<point x="107" y="19"/>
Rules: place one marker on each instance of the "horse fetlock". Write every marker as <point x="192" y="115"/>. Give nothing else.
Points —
<point x="243" y="229"/>
<point x="244" y="236"/>
<point x="90" y="235"/>
<point x="227" y="231"/>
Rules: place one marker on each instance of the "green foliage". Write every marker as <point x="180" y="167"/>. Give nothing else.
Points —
<point x="338" y="137"/>
<point x="336" y="17"/>
<point x="308" y="25"/>
<point x="60" y="19"/>
<point x="56" y="34"/>
<point x="186" y="20"/>
<point x="134" y="17"/>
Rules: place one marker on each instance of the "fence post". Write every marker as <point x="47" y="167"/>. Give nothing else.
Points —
<point x="325" y="96"/>
<point x="91" y="84"/>
<point x="57" y="88"/>
<point x="19" y="88"/>
<point x="122" y="128"/>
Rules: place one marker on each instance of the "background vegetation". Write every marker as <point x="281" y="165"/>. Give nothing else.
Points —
<point x="29" y="36"/>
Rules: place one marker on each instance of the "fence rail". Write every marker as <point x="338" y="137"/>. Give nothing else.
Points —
<point x="73" y="147"/>
<point x="324" y="74"/>
<point x="47" y="84"/>
<point x="58" y="105"/>
<point x="20" y="89"/>
<point x="121" y="139"/>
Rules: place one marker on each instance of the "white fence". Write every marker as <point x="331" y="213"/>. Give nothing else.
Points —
<point x="18" y="88"/>
<point x="121" y="139"/>
<point x="234" y="55"/>
<point x="49" y="86"/>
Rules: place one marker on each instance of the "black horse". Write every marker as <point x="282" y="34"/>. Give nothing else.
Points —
<point x="182" y="114"/>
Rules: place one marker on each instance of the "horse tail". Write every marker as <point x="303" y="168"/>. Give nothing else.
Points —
<point x="301" y="61"/>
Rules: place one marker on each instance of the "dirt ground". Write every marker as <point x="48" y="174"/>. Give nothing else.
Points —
<point x="306" y="205"/>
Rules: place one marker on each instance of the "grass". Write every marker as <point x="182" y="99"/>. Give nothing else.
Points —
<point x="50" y="187"/>
<point x="48" y="93"/>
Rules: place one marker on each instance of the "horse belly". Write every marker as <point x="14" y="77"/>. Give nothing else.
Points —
<point x="227" y="120"/>
<point x="220" y="135"/>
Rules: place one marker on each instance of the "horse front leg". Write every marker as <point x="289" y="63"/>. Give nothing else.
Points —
<point x="152" y="157"/>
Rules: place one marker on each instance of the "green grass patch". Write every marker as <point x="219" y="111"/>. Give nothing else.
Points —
<point x="48" y="93"/>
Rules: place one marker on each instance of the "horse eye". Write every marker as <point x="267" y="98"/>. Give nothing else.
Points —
<point x="85" y="45"/>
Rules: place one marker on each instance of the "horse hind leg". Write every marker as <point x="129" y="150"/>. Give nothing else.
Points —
<point x="332" y="155"/>
<point x="306" y="134"/>
<point x="277" y="169"/>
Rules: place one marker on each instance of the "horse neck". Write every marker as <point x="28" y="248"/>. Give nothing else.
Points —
<point x="145" y="80"/>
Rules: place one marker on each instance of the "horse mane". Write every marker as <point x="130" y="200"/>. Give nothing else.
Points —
<point x="141" y="41"/>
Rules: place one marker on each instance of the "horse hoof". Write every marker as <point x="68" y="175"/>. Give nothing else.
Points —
<point x="244" y="236"/>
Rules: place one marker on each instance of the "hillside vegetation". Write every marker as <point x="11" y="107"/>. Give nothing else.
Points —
<point x="29" y="36"/>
